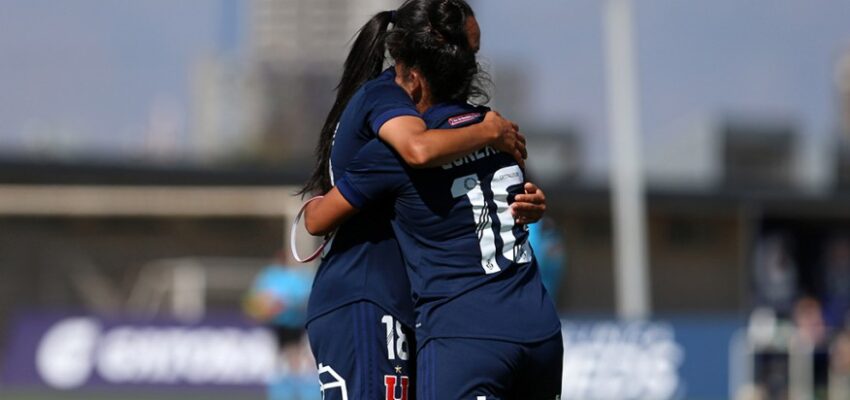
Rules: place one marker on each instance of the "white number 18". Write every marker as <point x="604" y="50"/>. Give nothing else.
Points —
<point x="395" y="347"/>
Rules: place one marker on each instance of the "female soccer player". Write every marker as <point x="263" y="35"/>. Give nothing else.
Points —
<point x="360" y="312"/>
<point x="485" y="327"/>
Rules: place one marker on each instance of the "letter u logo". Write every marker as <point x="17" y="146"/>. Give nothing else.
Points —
<point x="390" y="382"/>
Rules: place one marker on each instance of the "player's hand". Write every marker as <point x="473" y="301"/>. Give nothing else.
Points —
<point x="529" y="208"/>
<point x="508" y="139"/>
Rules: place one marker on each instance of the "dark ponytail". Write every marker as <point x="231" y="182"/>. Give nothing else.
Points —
<point x="427" y="34"/>
<point x="364" y="62"/>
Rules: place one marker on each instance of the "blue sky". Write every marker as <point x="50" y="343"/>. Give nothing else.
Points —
<point x="92" y="69"/>
<point x="89" y="71"/>
<point x="697" y="60"/>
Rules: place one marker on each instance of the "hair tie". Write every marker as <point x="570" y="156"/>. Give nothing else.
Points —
<point x="392" y="16"/>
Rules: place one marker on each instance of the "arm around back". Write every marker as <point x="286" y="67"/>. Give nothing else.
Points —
<point x="324" y="215"/>
<point x="424" y="148"/>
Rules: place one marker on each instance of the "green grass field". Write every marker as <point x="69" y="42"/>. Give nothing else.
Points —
<point x="42" y="395"/>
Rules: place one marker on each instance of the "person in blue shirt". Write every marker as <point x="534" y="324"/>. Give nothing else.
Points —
<point x="485" y="327"/>
<point x="278" y="298"/>
<point x="360" y="314"/>
<point x="551" y="256"/>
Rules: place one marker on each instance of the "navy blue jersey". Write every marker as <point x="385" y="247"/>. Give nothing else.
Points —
<point x="472" y="271"/>
<point x="363" y="261"/>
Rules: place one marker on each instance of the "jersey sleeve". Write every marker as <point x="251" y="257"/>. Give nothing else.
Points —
<point x="388" y="101"/>
<point x="376" y="172"/>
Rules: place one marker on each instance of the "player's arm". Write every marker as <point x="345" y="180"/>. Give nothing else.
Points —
<point x="324" y="215"/>
<point x="421" y="147"/>
<point x="374" y="173"/>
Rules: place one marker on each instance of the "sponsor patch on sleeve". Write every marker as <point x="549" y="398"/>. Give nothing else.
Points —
<point x="461" y="119"/>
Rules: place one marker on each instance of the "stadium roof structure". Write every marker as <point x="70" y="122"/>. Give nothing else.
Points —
<point x="37" y="188"/>
<point x="33" y="176"/>
<point x="39" y="172"/>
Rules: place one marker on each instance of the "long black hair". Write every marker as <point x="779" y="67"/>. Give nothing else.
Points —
<point x="427" y="34"/>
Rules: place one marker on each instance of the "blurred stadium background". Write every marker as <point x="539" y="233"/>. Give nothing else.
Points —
<point x="149" y="150"/>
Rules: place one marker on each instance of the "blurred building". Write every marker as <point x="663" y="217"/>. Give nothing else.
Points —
<point x="689" y="159"/>
<point x="555" y="152"/>
<point x="509" y="89"/>
<point x="269" y="107"/>
<point x="307" y="32"/>
<point x="842" y="80"/>
<point x="714" y="194"/>
<point x="225" y="109"/>
<point x="297" y="48"/>
<point x="221" y="111"/>
<point x="555" y="155"/>
<point x="759" y="155"/>
<point x="843" y="167"/>
<point x="737" y="152"/>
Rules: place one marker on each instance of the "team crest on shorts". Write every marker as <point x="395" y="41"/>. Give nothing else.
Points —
<point x="391" y="382"/>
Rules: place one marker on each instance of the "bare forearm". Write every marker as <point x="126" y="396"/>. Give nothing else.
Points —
<point x="423" y="148"/>
<point x="313" y="221"/>
<point x="442" y="146"/>
<point x="324" y="215"/>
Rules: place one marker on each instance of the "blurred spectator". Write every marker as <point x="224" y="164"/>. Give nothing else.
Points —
<point x="808" y="318"/>
<point x="751" y="392"/>
<point x="775" y="274"/>
<point x="839" y="382"/>
<point x="773" y="378"/>
<point x="548" y="245"/>
<point x="811" y="327"/>
<point x="278" y="298"/>
<point x="837" y="281"/>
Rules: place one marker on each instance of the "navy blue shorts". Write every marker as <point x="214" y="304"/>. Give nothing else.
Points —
<point x="363" y="353"/>
<point x="480" y="369"/>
